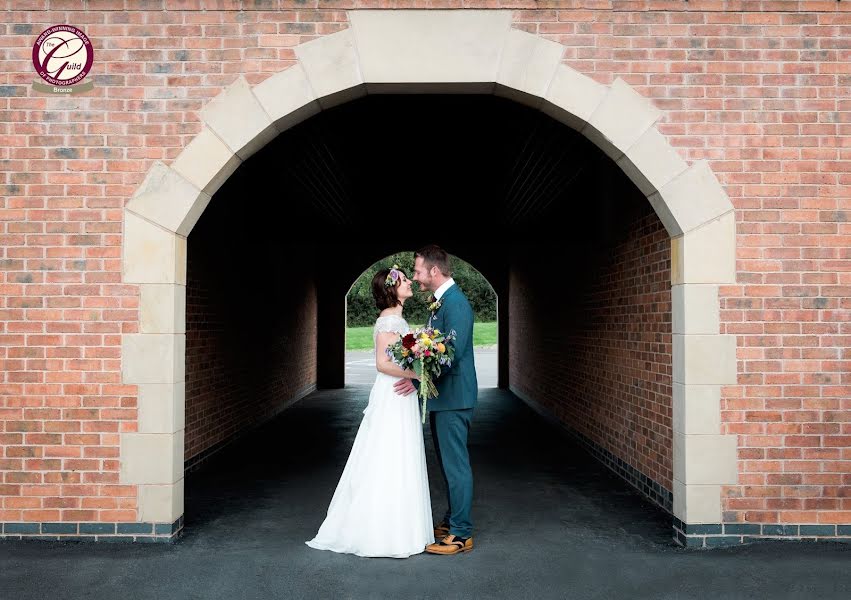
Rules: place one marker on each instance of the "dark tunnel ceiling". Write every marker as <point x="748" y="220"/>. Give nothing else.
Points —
<point x="443" y="161"/>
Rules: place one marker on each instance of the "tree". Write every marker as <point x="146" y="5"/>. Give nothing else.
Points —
<point x="360" y="306"/>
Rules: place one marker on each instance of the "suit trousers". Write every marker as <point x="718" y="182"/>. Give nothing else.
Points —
<point x="449" y="430"/>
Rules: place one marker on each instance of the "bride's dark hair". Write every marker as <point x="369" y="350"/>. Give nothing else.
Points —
<point x="386" y="296"/>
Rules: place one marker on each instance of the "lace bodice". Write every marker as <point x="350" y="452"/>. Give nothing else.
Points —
<point x="387" y="323"/>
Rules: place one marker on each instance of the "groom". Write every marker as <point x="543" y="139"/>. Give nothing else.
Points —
<point x="452" y="410"/>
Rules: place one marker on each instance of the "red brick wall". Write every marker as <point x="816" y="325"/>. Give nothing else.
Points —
<point x="595" y="350"/>
<point x="760" y="89"/>
<point x="250" y="347"/>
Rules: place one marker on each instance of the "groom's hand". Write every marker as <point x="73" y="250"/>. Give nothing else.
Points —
<point x="403" y="387"/>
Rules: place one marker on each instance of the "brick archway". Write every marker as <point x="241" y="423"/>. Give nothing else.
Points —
<point x="422" y="52"/>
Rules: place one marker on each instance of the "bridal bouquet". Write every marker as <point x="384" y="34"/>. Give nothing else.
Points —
<point x="425" y="351"/>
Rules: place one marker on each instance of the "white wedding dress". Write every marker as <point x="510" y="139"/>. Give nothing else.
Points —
<point x="381" y="506"/>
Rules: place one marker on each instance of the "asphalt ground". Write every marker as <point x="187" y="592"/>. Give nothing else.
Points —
<point x="550" y="523"/>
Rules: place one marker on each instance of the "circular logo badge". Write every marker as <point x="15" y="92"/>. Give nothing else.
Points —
<point x="62" y="55"/>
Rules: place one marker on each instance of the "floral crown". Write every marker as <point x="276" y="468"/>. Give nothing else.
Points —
<point x="392" y="276"/>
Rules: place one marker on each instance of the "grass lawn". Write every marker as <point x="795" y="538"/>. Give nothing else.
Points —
<point x="360" y="338"/>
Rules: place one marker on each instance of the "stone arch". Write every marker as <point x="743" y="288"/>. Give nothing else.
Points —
<point x="413" y="51"/>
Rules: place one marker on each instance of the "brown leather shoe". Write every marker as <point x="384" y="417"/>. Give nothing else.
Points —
<point x="441" y="530"/>
<point x="450" y="545"/>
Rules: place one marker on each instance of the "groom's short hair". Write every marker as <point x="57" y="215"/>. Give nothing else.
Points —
<point x="435" y="256"/>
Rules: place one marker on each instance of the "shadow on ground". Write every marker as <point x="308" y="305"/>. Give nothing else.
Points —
<point x="550" y="523"/>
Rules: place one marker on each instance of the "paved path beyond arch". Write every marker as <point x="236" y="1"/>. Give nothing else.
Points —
<point x="552" y="523"/>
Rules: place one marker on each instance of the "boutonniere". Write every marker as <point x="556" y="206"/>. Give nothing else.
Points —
<point x="435" y="305"/>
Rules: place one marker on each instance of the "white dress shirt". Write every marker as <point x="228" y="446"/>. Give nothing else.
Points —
<point x="442" y="289"/>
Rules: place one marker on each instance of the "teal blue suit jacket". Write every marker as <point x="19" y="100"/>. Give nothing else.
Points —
<point x="457" y="386"/>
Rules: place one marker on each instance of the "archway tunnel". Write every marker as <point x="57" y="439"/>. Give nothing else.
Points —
<point x="361" y="317"/>
<point x="577" y="256"/>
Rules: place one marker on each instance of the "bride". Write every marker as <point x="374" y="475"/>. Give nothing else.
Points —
<point x="381" y="506"/>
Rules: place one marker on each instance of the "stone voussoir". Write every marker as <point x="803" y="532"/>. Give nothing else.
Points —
<point x="169" y="200"/>
<point x="239" y="120"/>
<point x="691" y="199"/>
<point x="287" y="97"/>
<point x="573" y="97"/>
<point x="206" y="162"/>
<point x="620" y="120"/>
<point x="331" y="65"/>
<point x="650" y="163"/>
<point x="527" y="66"/>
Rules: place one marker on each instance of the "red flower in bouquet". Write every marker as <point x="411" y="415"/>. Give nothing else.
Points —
<point x="409" y="341"/>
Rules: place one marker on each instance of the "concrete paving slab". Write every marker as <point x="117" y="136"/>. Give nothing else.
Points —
<point x="360" y="366"/>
